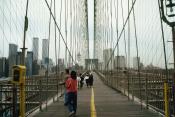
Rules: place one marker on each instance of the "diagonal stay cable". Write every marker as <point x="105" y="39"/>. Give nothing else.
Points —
<point x="121" y="32"/>
<point x="60" y="31"/>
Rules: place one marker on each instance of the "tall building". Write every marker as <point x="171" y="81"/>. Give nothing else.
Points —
<point x="3" y="67"/>
<point x="18" y="58"/>
<point x="120" y="62"/>
<point x="135" y="62"/>
<point x="45" y="45"/>
<point x="108" y="59"/>
<point x="35" y="48"/>
<point x="60" y="63"/>
<point x="29" y="61"/>
<point x="12" y="57"/>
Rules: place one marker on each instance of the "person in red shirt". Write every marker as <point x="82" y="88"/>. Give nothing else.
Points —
<point x="71" y="90"/>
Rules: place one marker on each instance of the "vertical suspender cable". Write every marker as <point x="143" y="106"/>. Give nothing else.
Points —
<point x="128" y="51"/>
<point x="163" y="41"/>
<point x="70" y="31"/>
<point x="116" y="18"/>
<point x="124" y="32"/>
<point x="94" y="39"/>
<point x="3" y="29"/>
<point x="165" y="60"/>
<point x="59" y="37"/>
<point x="121" y="33"/>
<point x="138" y="61"/>
<point x="66" y="30"/>
<point x="117" y="35"/>
<point x="124" y="28"/>
<point x="56" y="59"/>
<point x="47" y="72"/>
<point x="112" y="61"/>
<point x="59" y="31"/>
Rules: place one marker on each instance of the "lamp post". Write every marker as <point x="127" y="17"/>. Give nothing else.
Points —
<point x="167" y="15"/>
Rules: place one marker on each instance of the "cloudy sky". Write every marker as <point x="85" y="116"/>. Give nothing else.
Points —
<point x="12" y="14"/>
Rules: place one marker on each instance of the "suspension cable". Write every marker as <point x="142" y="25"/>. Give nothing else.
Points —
<point x="124" y="29"/>
<point x="56" y="59"/>
<point x="60" y="31"/>
<point x="59" y="43"/>
<point x="66" y="30"/>
<point x="138" y="60"/>
<point x="163" y="41"/>
<point x="121" y="32"/>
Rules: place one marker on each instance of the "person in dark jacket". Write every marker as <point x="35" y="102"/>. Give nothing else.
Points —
<point x="91" y="80"/>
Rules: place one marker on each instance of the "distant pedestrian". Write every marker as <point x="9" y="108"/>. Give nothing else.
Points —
<point x="87" y="80"/>
<point x="71" y="89"/>
<point x="78" y="81"/>
<point x="81" y="81"/>
<point x="91" y="80"/>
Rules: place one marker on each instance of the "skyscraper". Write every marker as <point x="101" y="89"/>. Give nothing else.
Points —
<point x="3" y="67"/>
<point x="12" y="57"/>
<point x="18" y="58"/>
<point x="29" y="61"/>
<point x="136" y="60"/>
<point x="108" y="59"/>
<point x="45" y="45"/>
<point x="120" y="62"/>
<point x="35" y="48"/>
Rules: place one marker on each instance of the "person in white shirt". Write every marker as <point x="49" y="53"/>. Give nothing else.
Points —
<point x="87" y="80"/>
<point x="78" y="81"/>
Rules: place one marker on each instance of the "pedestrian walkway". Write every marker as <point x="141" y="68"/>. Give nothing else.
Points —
<point x="107" y="103"/>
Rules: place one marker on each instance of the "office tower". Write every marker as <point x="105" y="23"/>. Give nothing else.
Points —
<point x="108" y="59"/>
<point x="45" y="45"/>
<point x="135" y="62"/>
<point x="3" y="67"/>
<point x="35" y="48"/>
<point x="12" y="57"/>
<point x="29" y="61"/>
<point x="18" y="58"/>
<point x="120" y="62"/>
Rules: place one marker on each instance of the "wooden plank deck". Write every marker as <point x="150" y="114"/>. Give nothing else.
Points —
<point x="108" y="103"/>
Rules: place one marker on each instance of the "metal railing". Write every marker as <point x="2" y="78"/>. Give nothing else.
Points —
<point x="38" y="90"/>
<point x="148" y="88"/>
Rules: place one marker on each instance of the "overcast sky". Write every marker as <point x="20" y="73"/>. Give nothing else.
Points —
<point x="12" y="14"/>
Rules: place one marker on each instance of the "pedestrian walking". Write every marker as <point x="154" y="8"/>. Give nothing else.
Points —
<point x="78" y="81"/>
<point x="87" y="80"/>
<point x="91" y="80"/>
<point x="71" y="89"/>
<point x="81" y="81"/>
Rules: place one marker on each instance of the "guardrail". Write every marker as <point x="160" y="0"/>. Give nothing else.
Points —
<point x="148" y="89"/>
<point x="38" y="89"/>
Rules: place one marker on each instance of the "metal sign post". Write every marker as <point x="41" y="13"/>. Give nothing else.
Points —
<point x="167" y="15"/>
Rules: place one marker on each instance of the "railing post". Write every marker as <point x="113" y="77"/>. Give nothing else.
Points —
<point x="132" y="87"/>
<point x="15" y="114"/>
<point x="128" y="85"/>
<point x="173" y="91"/>
<point x="166" y="99"/>
<point x="53" y="86"/>
<point x="57" y="85"/>
<point x="146" y="90"/>
<point x="40" y="92"/>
